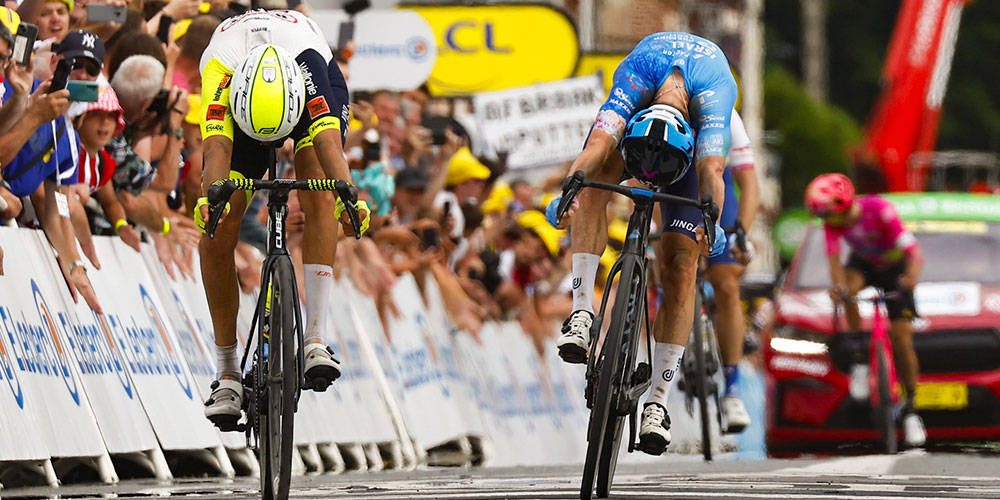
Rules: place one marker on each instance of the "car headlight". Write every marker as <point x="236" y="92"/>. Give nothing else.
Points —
<point x="793" y="340"/>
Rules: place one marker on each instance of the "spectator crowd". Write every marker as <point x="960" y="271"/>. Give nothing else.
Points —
<point x="129" y="164"/>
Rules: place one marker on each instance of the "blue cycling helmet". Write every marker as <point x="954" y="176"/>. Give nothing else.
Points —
<point x="658" y="145"/>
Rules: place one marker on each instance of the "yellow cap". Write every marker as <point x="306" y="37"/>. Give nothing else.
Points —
<point x="10" y="19"/>
<point x="194" y="111"/>
<point x="181" y="27"/>
<point x="463" y="166"/>
<point x="69" y="4"/>
<point x="500" y="197"/>
<point x="534" y="221"/>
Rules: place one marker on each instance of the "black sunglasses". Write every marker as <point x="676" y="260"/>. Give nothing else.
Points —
<point x="93" y="69"/>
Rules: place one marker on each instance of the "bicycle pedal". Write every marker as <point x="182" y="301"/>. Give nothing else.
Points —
<point x="642" y="373"/>
<point x="318" y="384"/>
<point x="226" y="423"/>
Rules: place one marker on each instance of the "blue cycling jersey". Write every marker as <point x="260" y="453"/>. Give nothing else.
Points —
<point x="707" y="79"/>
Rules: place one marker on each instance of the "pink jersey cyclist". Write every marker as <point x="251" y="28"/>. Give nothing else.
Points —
<point x="878" y="237"/>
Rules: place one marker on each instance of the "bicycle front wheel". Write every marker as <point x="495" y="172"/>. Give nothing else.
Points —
<point x="278" y="412"/>
<point x="884" y="418"/>
<point x="700" y="382"/>
<point x="630" y="328"/>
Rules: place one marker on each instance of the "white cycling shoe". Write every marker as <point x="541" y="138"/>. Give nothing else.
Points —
<point x="914" y="434"/>
<point x="735" y="414"/>
<point x="654" y="431"/>
<point x="225" y="405"/>
<point x="320" y="365"/>
<point x="575" y="338"/>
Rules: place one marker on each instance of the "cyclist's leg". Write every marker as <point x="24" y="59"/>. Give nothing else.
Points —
<point x="902" y="310"/>
<point x="856" y="273"/>
<point x="589" y="236"/>
<point x="724" y="274"/>
<point x="221" y="288"/>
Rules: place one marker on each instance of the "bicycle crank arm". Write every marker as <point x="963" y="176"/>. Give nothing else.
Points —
<point x="632" y="430"/>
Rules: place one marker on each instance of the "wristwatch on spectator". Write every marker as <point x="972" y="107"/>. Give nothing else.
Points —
<point x="77" y="263"/>
<point x="178" y="133"/>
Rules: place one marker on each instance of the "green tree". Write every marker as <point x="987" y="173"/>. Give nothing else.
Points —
<point x="813" y="137"/>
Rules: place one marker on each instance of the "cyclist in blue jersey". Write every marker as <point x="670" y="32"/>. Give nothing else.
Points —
<point x="725" y="270"/>
<point x="681" y="79"/>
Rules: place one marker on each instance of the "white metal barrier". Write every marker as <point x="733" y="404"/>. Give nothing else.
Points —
<point x="77" y="387"/>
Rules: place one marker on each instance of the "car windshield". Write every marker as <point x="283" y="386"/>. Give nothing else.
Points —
<point x="953" y="251"/>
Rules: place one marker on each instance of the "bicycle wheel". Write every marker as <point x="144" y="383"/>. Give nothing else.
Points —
<point x="885" y="421"/>
<point x="607" y="391"/>
<point x="629" y="322"/>
<point x="278" y="413"/>
<point x="700" y="382"/>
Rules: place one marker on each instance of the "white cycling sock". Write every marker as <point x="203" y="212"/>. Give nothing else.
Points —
<point x="227" y="362"/>
<point x="584" y="277"/>
<point x="319" y="283"/>
<point x="666" y="362"/>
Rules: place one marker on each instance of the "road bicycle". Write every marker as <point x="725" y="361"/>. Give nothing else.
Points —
<point x="272" y="386"/>
<point x="615" y="377"/>
<point x="883" y="386"/>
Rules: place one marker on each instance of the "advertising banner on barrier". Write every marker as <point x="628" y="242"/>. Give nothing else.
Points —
<point x="36" y="318"/>
<point x="187" y="311"/>
<point x="393" y="49"/>
<point x="149" y="347"/>
<point x="36" y="380"/>
<point x="542" y="124"/>
<point x="427" y="397"/>
<point x="498" y="46"/>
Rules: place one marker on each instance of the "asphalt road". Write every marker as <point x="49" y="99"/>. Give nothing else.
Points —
<point x="914" y="474"/>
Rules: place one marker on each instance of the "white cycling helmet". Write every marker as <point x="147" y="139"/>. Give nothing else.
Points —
<point x="267" y="94"/>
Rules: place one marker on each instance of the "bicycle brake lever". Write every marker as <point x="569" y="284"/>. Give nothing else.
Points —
<point x="217" y="195"/>
<point x="571" y="186"/>
<point x="349" y="195"/>
<point x="709" y="214"/>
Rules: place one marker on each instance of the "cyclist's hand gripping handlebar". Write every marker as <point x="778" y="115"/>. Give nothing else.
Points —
<point x="571" y="187"/>
<point x="741" y="235"/>
<point x="349" y="196"/>
<point x="218" y="195"/>
<point x="709" y="214"/>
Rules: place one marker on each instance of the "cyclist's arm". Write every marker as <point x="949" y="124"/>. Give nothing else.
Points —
<point x="216" y="123"/>
<point x="837" y="275"/>
<point x="710" y="182"/>
<point x="331" y="154"/>
<point x="599" y="146"/>
<point x="746" y="179"/>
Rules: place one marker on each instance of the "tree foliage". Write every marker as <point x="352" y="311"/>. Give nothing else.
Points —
<point x="813" y="137"/>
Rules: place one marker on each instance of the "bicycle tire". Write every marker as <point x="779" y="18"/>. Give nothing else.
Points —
<point x="278" y="418"/>
<point x="701" y="376"/>
<point x="607" y="367"/>
<point x="613" y="434"/>
<point x="884" y="418"/>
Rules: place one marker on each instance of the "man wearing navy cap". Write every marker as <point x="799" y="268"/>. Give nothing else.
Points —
<point x="85" y="50"/>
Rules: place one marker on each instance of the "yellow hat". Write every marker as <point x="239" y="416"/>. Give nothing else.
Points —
<point x="463" y="166"/>
<point x="499" y="199"/>
<point x="534" y="221"/>
<point x="69" y="4"/>
<point x="181" y="27"/>
<point x="10" y="19"/>
<point x="194" y="111"/>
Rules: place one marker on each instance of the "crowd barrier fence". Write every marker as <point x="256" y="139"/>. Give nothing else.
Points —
<point x="99" y="390"/>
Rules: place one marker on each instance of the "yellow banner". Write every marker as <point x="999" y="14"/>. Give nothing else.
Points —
<point x="496" y="47"/>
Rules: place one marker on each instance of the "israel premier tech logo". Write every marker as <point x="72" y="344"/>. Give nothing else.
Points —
<point x="34" y="346"/>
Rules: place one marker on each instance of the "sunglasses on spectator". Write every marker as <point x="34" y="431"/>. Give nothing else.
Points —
<point x="93" y="69"/>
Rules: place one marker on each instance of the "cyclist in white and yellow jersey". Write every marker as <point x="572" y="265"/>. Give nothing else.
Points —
<point x="272" y="75"/>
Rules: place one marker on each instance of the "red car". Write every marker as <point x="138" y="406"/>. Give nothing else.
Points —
<point x="957" y="338"/>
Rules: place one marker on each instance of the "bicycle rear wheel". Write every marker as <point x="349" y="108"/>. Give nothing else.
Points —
<point x="700" y="382"/>
<point x="628" y="321"/>
<point x="603" y="415"/>
<point x="277" y="415"/>
<point x="885" y="421"/>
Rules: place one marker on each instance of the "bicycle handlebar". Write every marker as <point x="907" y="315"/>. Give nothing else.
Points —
<point x="220" y="192"/>
<point x="574" y="183"/>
